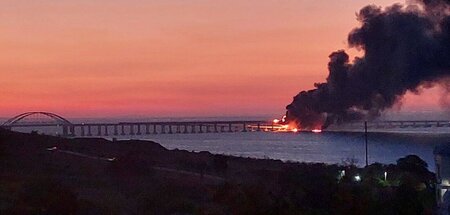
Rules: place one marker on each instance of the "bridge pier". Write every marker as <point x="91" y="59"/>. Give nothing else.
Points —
<point x="122" y="130"/>
<point x="154" y="129"/>
<point x="64" y="128"/>
<point x="200" y="128"/>
<point x="131" y="129"/>
<point x="163" y="128"/>
<point x="170" y="129"/>
<point x="259" y="127"/>
<point x="245" y="127"/>
<point x="215" y="128"/>
<point x="99" y="130"/>
<point x="89" y="131"/>
<point x="72" y="130"/>
<point x="230" y="129"/>
<point x="138" y="129"/>
<point x="82" y="131"/>
<point x="106" y="130"/>
<point x="116" y="131"/>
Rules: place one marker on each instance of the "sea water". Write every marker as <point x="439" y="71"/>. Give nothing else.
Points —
<point x="328" y="147"/>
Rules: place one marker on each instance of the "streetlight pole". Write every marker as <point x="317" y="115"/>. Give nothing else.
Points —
<point x="365" y="137"/>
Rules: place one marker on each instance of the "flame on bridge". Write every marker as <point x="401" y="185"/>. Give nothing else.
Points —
<point x="283" y="126"/>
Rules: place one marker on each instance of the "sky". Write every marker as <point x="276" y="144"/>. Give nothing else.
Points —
<point x="107" y="58"/>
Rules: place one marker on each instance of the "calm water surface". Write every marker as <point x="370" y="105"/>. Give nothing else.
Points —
<point x="329" y="147"/>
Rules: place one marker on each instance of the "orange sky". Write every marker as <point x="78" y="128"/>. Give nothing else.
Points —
<point x="89" y="58"/>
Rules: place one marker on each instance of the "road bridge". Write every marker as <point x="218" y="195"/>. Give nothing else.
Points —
<point x="99" y="129"/>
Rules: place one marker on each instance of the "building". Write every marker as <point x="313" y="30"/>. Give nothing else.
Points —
<point x="442" y="162"/>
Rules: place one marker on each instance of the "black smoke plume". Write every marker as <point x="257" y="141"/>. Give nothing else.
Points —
<point x="405" y="47"/>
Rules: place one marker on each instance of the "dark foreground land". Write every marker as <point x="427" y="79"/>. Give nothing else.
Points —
<point x="76" y="177"/>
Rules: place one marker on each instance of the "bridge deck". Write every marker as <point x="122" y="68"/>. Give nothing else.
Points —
<point x="170" y="127"/>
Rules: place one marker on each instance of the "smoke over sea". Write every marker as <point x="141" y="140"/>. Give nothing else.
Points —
<point x="405" y="47"/>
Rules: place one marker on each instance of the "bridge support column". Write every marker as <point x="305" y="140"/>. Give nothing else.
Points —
<point x="200" y="128"/>
<point x="64" y="128"/>
<point x="193" y="131"/>
<point x="138" y="129"/>
<point x="259" y="127"/>
<point x="178" y="129"/>
<point x="230" y="128"/>
<point x="122" y="129"/>
<point x="82" y="130"/>
<point x="116" y="131"/>
<point x="215" y="128"/>
<point x="106" y="130"/>
<point x="154" y="129"/>
<point x="163" y="129"/>
<point x="185" y="130"/>
<point x="72" y="130"/>
<point x="89" y="131"/>
<point x="170" y="129"/>
<point x="131" y="129"/>
<point x="147" y="129"/>
<point x="99" y="130"/>
<point x="222" y="128"/>
<point x="244" y="129"/>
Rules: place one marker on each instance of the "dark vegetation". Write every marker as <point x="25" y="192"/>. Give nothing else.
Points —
<point x="146" y="178"/>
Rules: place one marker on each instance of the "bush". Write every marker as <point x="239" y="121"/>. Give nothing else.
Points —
<point x="220" y="163"/>
<point x="166" y="199"/>
<point x="45" y="196"/>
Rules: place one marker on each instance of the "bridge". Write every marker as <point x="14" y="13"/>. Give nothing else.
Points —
<point x="133" y="128"/>
<point x="69" y="129"/>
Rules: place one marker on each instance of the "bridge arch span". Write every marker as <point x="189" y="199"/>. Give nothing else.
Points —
<point x="59" y="120"/>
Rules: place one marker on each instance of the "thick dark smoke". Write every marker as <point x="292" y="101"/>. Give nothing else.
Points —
<point x="405" y="46"/>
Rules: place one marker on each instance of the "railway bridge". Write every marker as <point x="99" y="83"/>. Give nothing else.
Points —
<point x="100" y="129"/>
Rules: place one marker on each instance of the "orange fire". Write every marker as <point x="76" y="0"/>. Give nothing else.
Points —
<point x="283" y="119"/>
<point x="282" y="126"/>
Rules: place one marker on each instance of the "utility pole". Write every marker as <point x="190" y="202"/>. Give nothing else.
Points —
<point x="365" y="137"/>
